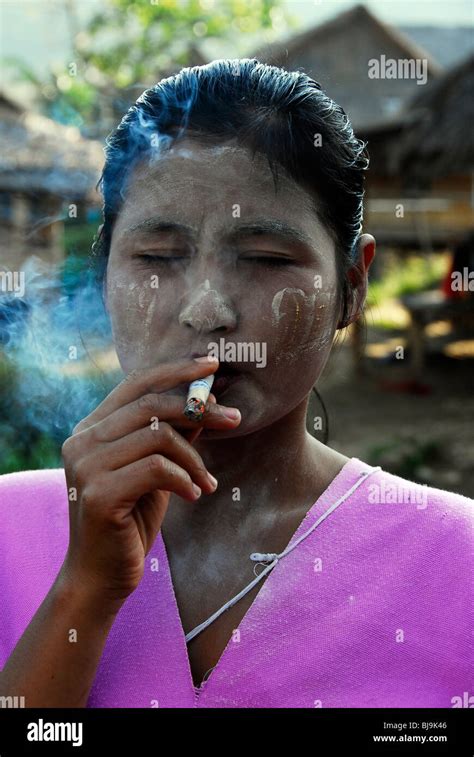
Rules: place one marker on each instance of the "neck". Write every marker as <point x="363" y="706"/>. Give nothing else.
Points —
<point x="275" y="465"/>
<point x="243" y="458"/>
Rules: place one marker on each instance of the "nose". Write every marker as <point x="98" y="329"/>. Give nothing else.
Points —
<point x="208" y="311"/>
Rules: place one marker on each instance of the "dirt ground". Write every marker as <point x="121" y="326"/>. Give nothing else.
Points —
<point x="428" y="437"/>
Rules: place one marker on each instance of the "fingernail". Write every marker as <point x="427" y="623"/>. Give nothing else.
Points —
<point x="232" y="413"/>
<point x="197" y="491"/>
<point x="212" y="480"/>
<point x="206" y="359"/>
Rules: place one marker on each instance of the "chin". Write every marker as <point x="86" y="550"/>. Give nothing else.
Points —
<point x="215" y="433"/>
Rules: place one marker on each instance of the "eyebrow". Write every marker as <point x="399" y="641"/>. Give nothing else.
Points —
<point x="270" y="227"/>
<point x="157" y="225"/>
<point x="259" y="227"/>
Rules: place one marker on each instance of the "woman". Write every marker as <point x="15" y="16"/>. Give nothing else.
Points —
<point x="233" y="562"/>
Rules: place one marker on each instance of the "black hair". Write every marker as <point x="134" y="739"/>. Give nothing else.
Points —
<point x="266" y="109"/>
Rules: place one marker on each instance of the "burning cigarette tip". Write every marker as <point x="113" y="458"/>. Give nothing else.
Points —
<point x="198" y="395"/>
<point x="194" y="409"/>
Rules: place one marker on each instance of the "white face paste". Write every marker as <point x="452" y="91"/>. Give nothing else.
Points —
<point x="134" y="299"/>
<point x="301" y="339"/>
<point x="195" y="314"/>
<point x="144" y="343"/>
<point x="277" y="300"/>
<point x="215" y="151"/>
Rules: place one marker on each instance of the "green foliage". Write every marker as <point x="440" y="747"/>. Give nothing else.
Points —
<point x="133" y="42"/>
<point x="414" y="273"/>
<point x="23" y="447"/>
<point x="129" y="43"/>
<point x="78" y="238"/>
<point x="406" y="456"/>
<point x="25" y="444"/>
<point x="40" y="452"/>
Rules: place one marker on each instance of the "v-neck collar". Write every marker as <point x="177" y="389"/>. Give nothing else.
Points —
<point x="353" y="466"/>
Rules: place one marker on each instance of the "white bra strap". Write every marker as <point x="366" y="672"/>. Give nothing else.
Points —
<point x="275" y="557"/>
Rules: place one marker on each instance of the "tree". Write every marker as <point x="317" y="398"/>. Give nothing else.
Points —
<point x="129" y="46"/>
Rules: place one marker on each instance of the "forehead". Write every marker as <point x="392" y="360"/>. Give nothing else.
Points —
<point x="198" y="181"/>
<point x="230" y="163"/>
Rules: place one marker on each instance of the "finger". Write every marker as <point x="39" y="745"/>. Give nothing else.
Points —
<point x="191" y="436"/>
<point x="140" y="444"/>
<point x="158" y="379"/>
<point x="151" y="473"/>
<point x="149" y="410"/>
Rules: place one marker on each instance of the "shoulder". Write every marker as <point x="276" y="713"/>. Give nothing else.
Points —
<point x="433" y="521"/>
<point x="383" y="488"/>
<point x="32" y="501"/>
<point x="32" y="480"/>
<point x="417" y="542"/>
<point x="34" y="531"/>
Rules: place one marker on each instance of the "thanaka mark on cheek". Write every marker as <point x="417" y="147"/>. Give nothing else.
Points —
<point x="296" y="324"/>
<point x="144" y="343"/>
<point x="278" y="298"/>
<point x="131" y="326"/>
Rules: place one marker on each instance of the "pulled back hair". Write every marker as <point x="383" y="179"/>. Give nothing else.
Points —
<point x="266" y="109"/>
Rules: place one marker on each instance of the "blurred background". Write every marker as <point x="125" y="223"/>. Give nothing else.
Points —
<point x="398" y="388"/>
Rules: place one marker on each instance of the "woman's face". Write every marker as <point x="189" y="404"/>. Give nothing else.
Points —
<point x="204" y="252"/>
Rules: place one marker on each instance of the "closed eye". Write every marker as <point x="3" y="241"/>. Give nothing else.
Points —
<point x="266" y="260"/>
<point x="262" y="260"/>
<point x="160" y="258"/>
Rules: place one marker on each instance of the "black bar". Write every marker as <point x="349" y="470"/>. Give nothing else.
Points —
<point x="316" y="732"/>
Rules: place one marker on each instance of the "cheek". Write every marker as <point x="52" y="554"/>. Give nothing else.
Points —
<point x="132" y="309"/>
<point x="303" y="323"/>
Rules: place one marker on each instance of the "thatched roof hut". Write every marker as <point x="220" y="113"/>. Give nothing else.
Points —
<point x="432" y="139"/>
<point x="40" y="155"/>
<point x="337" y="54"/>
<point x="439" y="141"/>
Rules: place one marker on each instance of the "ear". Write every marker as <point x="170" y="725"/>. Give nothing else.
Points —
<point x="358" y="279"/>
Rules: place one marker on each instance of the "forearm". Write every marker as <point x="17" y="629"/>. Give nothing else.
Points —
<point x="55" y="660"/>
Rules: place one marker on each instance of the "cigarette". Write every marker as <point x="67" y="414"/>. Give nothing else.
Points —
<point x="198" y="395"/>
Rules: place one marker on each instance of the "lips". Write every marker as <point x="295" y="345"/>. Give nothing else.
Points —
<point x="225" y="377"/>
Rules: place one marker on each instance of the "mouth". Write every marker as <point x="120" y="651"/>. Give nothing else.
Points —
<point x="225" y="376"/>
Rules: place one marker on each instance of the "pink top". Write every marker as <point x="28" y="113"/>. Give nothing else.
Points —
<point x="372" y="609"/>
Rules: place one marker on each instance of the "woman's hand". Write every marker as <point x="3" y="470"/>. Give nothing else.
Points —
<point x="121" y="464"/>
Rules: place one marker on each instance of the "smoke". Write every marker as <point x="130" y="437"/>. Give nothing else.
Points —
<point x="48" y="337"/>
<point x="53" y="323"/>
